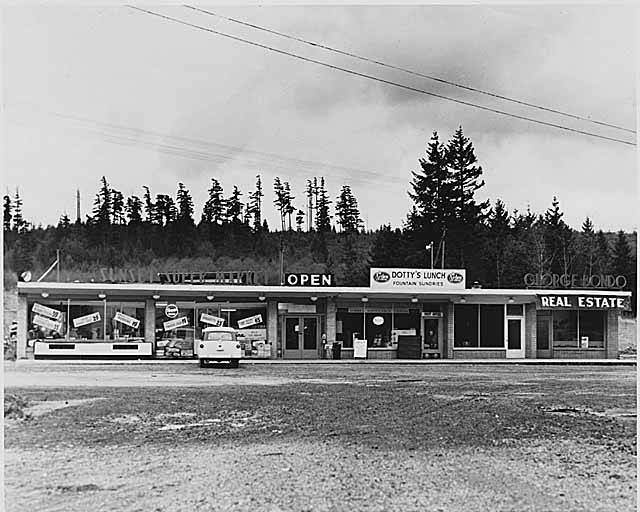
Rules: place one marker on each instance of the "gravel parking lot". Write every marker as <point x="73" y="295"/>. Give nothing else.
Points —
<point x="315" y="437"/>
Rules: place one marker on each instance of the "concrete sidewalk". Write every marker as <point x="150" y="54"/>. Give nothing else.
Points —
<point x="529" y="362"/>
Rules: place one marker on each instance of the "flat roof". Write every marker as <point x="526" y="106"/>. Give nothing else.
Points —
<point x="292" y="292"/>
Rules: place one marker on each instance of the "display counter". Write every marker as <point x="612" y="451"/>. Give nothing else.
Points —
<point x="91" y="348"/>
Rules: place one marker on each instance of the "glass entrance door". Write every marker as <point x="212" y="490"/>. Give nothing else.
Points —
<point x="301" y="335"/>
<point x="432" y="337"/>
<point x="515" y="338"/>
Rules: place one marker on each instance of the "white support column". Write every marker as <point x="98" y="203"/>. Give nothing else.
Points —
<point x="272" y="327"/>
<point x="150" y="321"/>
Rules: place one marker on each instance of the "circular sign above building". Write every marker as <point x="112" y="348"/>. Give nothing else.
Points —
<point x="378" y="320"/>
<point x="171" y="310"/>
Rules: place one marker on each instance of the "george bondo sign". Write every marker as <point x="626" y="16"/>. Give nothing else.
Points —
<point x="417" y="279"/>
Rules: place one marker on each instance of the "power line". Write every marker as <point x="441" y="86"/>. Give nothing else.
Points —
<point x="409" y="71"/>
<point x="377" y="79"/>
<point x="220" y="153"/>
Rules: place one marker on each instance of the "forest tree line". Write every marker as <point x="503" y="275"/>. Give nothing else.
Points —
<point x="318" y="233"/>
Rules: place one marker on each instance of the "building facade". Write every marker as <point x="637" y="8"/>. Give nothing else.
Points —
<point x="298" y="322"/>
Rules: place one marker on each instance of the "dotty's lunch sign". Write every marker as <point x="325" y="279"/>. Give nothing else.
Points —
<point x="417" y="279"/>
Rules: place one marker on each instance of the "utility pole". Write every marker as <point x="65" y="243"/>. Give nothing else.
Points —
<point x="281" y="261"/>
<point x="78" y="206"/>
<point x="58" y="265"/>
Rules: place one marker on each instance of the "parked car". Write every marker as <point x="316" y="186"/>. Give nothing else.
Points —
<point x="219" y="344"/>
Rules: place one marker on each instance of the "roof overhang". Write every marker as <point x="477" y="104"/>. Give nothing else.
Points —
<point x="190" y="291"/>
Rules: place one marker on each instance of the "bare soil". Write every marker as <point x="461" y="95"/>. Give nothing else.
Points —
<point x="339" y="437"/>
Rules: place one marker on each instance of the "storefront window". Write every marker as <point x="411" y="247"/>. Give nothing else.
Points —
<point x="465" y="325"/>
<point x="175" y="328"/>
<point x="87" y="321"/>
<point x="565" y="328"/>
<point x="492" y="326"/>
<point x="579" y="328"/>
<point x="379" y="325"/>
<point x="125" y="321"/>
<point x="47" y="320"/>
<point x="591" y="326"/>
<point x="249" y="319"/>
<point x="479" y="326"/>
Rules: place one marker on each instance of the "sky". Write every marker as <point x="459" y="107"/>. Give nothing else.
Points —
<point x="110" y="91"/>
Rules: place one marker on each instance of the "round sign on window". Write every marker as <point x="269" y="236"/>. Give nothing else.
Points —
<point x="378" y="320"/>
<point x="171" y="310"/>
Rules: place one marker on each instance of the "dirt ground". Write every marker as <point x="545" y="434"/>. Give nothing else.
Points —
<point x="166" y="437"/>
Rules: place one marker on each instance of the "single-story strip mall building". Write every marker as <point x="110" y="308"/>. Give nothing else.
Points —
<point x="403" y="314"/>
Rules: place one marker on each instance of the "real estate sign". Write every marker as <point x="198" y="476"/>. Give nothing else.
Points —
<point x="581" y="302"/>
<point x="417" y="279"/>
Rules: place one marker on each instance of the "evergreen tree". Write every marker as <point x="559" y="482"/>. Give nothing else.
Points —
<point x="323" y="217"/>
<point x="64" y="221"/>
<point x="310" y="206"/>
<point x="149" y="207"/>
<point x="587" y="247"/>
<point x="185" y="206"/>
<point x="117" y="207"/>
<point x="288" y="202"/>
<point x="234" y="206"/>
<point x="102" y="205"/>
<point x="347" y="211"/>
<point x="280" y="200"/>
<point x="621" y="263"/>
<point x="19" y="224"/>
<point x="134" y="210"/>
<point x="465" y="179"/>
<point x="559" y="240"/>
<point x="165" y="210"/>
<point x="299" y="220"/>
<point x="256" y="204"/>
<point x="214" y="209"/>
<point x="6" y="214"/>
<point x="432" y="192"/>
<point x="499" y="243"/>
<point x="603" y="254"/>
<point x="388" y="248"/>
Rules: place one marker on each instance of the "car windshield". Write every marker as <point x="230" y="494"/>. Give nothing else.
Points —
<point x="219" y="336"/>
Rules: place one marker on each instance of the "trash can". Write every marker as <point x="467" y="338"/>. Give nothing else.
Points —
<point x="337" y="347"/>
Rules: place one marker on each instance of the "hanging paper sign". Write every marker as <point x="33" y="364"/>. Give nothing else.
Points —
<point x="252" y="320"/>
<point x="127" y="320"/>
<point x="86" y="319"/>
<point x="171" y="310"/>
<point x="212" y="320"/>
<point x="47" y="323"/>
<point x="48" y="312"/>
<point x="174" y="324"/>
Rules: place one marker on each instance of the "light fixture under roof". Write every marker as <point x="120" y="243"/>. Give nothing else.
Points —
<point x="313" y="298"/>
<point x="210" y="297"/>
<point x="462" y="300"/>
<point x="365" y="299"/>
<point x="414" y="299"/>
<point x="511" y="300"/>
<point x="45" y="294"/>
<point x="262" y="298"/>
<point x="102" y="295"/>
<point x="156" y="296"/>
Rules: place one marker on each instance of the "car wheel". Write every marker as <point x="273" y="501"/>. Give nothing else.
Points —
<point x="235" y="363"/>
<point x="203" y="363"/>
